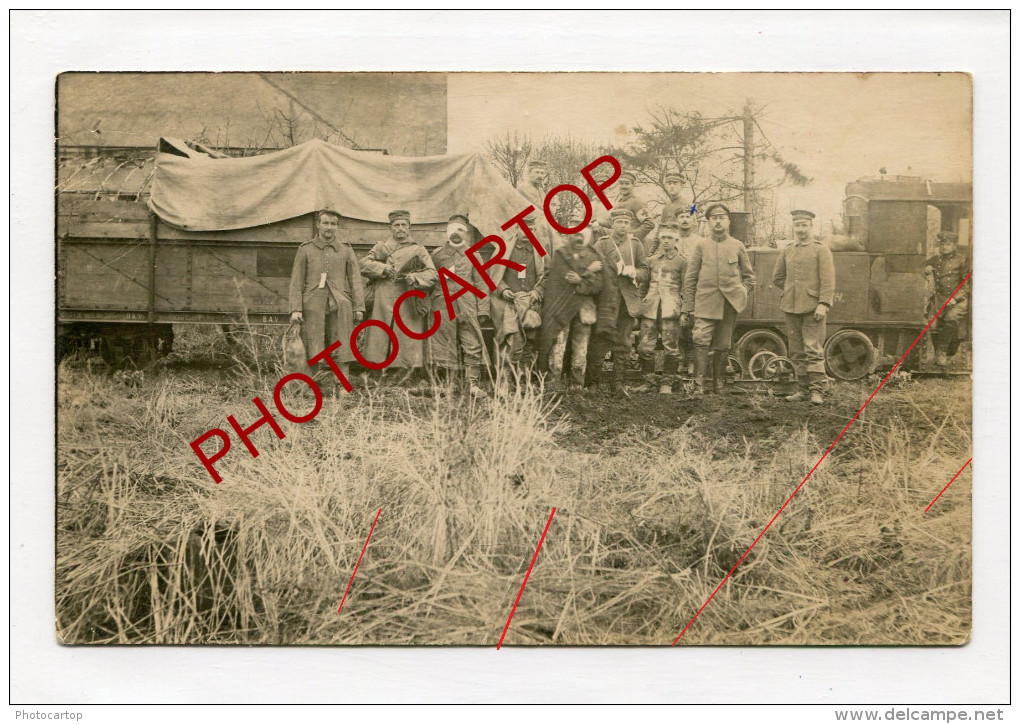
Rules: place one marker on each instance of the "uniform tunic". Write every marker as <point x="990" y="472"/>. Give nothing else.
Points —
<point x="397" y="254"/>
<point x="806" y="274"/>
<point x="519" y="343"/>
<point x="642" y="223"/>
<point x="328" y="309"/>
<point x="947" y="272"/>
<point x="718" y="280"/>
<point x="458" y="342"/>
<point x="660" y="310"/>
<point x="629" y="292"/>
<point x="561" y="307"/>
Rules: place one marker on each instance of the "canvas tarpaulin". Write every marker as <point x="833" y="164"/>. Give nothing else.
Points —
<point x="200" y="193"/>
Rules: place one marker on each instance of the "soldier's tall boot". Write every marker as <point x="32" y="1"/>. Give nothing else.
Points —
<point x="647" y="375"/>
<point x="700" y="369"/>
<point x="718" y="370"/>
<point x="669" y="368"/>
<point x="803" y="392"/>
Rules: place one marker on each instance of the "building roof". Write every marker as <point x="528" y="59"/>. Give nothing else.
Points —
<point x="404" y="113"/>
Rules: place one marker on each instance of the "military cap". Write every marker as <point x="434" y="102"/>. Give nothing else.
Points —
<point x="801" y="214"/>
<point x="673" y="175"/>
<point x="628" y="175"/>
<point x="459" y="219"/>
<point x="669" y="229"/>
<point x="717" y="205"/>
<point x="947" y="236"/>
<point x="328" y="212"/>
<point x="619" y="213"/>
<point x="395" y="215"/>
<point x="537" y="163"/>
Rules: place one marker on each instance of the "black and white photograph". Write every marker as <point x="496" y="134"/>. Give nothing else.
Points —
<point x="513" y="359"/>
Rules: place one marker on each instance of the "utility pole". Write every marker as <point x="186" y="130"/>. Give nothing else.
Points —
<point x="748" y="170"/>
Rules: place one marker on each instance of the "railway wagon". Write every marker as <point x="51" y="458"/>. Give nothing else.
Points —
<point x="125" y="277"/>
<point x="881" y="301"/>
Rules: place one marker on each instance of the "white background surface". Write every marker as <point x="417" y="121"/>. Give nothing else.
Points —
<point x="46" y="43"/>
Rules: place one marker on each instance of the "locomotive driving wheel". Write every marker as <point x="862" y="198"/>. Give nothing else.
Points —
<point x="849" y="354"/>
<point x="759" y="340"/>
<point x="779" y="369"/>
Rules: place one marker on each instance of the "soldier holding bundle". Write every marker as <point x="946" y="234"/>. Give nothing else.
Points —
<point x="516" y="302"/>
<point x="393" y="266"/>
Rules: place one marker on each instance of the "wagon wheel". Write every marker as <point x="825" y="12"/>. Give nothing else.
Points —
<point x="734" y="370"/>
<point x="758" y="340"/>
<point x="849" y="354"/>
<point x="779" y="369"/>
<point x="756" y="365"/>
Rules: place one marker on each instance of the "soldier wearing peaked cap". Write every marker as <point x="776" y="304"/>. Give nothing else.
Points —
<point x="624" y="281"/>
<point x="944" y="273"/>
<point x="533" y="187"/>
<point x="394" y="266"/>
<point x="805" y="273"/>
<point x="660" y="313"/>
<point x="516" y="302"/>
<point x="622" y="196"/>
<point x="716" y="286"/>
<point x="678" y="205"/>
<point x="326" y="295"/>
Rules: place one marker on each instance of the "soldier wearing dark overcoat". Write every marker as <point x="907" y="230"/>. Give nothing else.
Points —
<point x="716" y="286"/>
<point x="395" y="266"/>
<point x="806" y="276"/>
<point x="517" y="293"/>
<point x="326" y="294"/>
<point x="627" y="271"/>
<point x="945" y="272"/>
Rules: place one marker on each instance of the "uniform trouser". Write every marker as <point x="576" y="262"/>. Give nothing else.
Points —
<point x="715" y="333"/>
<point x="947" y="332"/>
<point x="805" y="341"/>
<point x="650" y="331"/>
<point x="622" y="340"/>
<point x="458" y="334"/>
<point x="578" y="333"/>
<point x="521" y="347"/>
<point x="319" y="331"/>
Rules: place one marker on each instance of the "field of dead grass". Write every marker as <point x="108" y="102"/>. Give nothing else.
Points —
<point x="656" y="498"/>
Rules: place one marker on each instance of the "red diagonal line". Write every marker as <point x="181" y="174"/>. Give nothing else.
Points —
<point x="947" y="485"/>
<point x="521" y="592"/>
<point x="824" y="455"/>
<point x="346" y="590"/>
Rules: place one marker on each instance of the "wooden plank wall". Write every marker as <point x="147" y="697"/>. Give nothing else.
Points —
<point x="103" y="258"/>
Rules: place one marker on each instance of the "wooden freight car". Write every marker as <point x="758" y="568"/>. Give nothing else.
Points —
<point x="881" y="302"/>
<point x="124" y="277"/>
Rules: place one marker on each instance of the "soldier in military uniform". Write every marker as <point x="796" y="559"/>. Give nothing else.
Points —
<point x="533" y="187"/>
<point x="516" y="340"/>
<point x="805" y="273"/>
<point x="625" y="198"/>
<point x="326" y="296"/>
<point x="660" y="312"/>
<point x="623" y="253"/>
<point x="687" y="221"/>
<point x="718" y="280"/>
<point x="676" y="205"/>
<point x="458" y="344"/>
<point x="394" y="266"/>
<point x="945" y="271"/>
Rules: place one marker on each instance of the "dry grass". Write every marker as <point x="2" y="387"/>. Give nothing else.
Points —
<point x="150" y="550"/>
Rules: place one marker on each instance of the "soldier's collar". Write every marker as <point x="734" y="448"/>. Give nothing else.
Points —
<point x="322" y="243"/>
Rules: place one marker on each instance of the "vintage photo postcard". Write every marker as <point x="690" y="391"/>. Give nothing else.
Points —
<point x="513" y="359"/>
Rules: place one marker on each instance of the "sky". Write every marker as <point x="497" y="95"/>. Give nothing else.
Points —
<point x="836" y="127"/>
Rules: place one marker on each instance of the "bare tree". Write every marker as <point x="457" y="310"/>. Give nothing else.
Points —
<point x="509" y="154"/>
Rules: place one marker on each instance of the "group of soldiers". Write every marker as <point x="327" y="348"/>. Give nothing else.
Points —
<point x="561" y="315"/>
